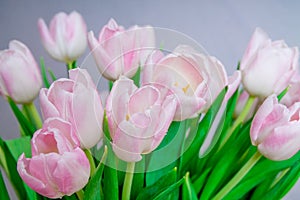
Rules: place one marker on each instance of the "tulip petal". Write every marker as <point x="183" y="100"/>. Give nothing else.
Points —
<point x="282" y="143"/>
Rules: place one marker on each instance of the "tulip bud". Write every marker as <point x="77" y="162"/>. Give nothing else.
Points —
<point x="20" y="77"/>
<point x="65" y="40"/>
<point x="138" y="118"/>
<point x="77" y="101"/>
<point x="58" y="166"/>
<point x="275" y="129"/>
<point x="120" y="52"/>
<point x="267" y="67"/>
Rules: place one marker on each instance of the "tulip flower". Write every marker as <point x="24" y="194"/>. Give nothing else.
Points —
<point x="58" y="166"/>
<point x="275" y="129"/>
<point x="292" y="96"/>
<point x="120" y="52"/>
<point x="66" y="39"/>
<point x="20" y="77"/>
<point x="195" y="79"/>
<point x="77" y="101"/>
<point x="267" y="67"/>
<point x="138" y="118"/>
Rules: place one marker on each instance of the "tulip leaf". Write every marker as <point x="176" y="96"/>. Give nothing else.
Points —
<point x="12" y="150"/>
<point x="261" y="171"/>
<point x="285" y="183"/>
<point x="200" y="181"/>
<point x="164" y="194"/>
<point x="226" y="164"/>
<point x="188" y="191"/>
<point x="44" y="74"/>
<point x="281" y="94"/>
<point x="51" y="73"/>
<point x="93" y="187"/>
<point x="110" y="183"/>
<point x="136" y="77"/>
<point x="3" y="194"/>
<point x="159" y="186"/>
<point x="203" y="129"/>
<point x="27" y="127"/>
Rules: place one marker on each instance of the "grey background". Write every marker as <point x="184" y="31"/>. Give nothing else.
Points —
<point x="222" y="27"/>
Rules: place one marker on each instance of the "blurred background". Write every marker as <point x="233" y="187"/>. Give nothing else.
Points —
<point x="223" y="28"/>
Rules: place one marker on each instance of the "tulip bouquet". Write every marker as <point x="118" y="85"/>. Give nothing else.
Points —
<point x="166" y="124"/>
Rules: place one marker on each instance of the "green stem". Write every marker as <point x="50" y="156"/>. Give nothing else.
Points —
<point x="241" y="118"/>
<point x="238" y="177"/>
<point x="128" y="181"/>
<point x="69" y="66"/>
<point x="33" y="115"/>
<point x="91" y="160"/>
<point x="80" y="194"/>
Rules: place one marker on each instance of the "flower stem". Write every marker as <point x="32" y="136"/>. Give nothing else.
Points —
<point x="241" y="118"/>
<point x="69" y="66"/>
<point x="80" y="194"/>
<point x="239" y="176"/>
<point x="91" y="161"/>
<point x="33" y="115"/>
<point x="128" y="181"/>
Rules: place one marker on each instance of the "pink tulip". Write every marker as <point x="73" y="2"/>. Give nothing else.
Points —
<point x="138" y="118"/>
<point x="194" y="78"/>
<point x="267" y="66"/>
<point x="75" y="100"/>
<point x="58" y="166"/>
<point x="275" y="129"/>
<point x="66" y="39"/>
<point x="20" y="77"/>
<point x="120" y="52"/>
<point x="292" y="96"/>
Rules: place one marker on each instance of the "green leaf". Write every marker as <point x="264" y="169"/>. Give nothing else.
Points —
<point x="159" y="186"/>
<point x="12" y="150"/>
<point x="3" y="194"/>
<point x="261" y="171"/>
<point x="226" y="162"/>
<point x="44" y="74"/>
<point x="136" y="77"/>
<point x="165" y="157"/>
<point x="164" y="195"/>
<point x="203" y="129"/>
<point x="200" y="181"/>
<point x="188" y="191"/>
<point x="110" y="85"/>
<point x="281" y="95"/>
<point x="53" y="77"/>
<point x="281" y="188"/>
<point x="27" y="127"/>
<point x="110" y="175"/>
<point x="74" y="64"/>
<point x="93" y="187"/>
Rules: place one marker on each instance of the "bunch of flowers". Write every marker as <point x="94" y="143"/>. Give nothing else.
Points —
<point x="144" y="140"/>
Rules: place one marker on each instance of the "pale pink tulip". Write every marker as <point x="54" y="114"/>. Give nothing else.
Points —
<point x="120" y="52"/>
<point x="20" y="77"/>
<point x="58" y="166"/>
<point x="195" y="79"/>
<point x="66" y="38"/>
<point x="138" y="118"/>
<point x="75" y="100"/>
<point x="293" y="94"/>
<point x="267" y="67"/>
<point x="275" y="129"/>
